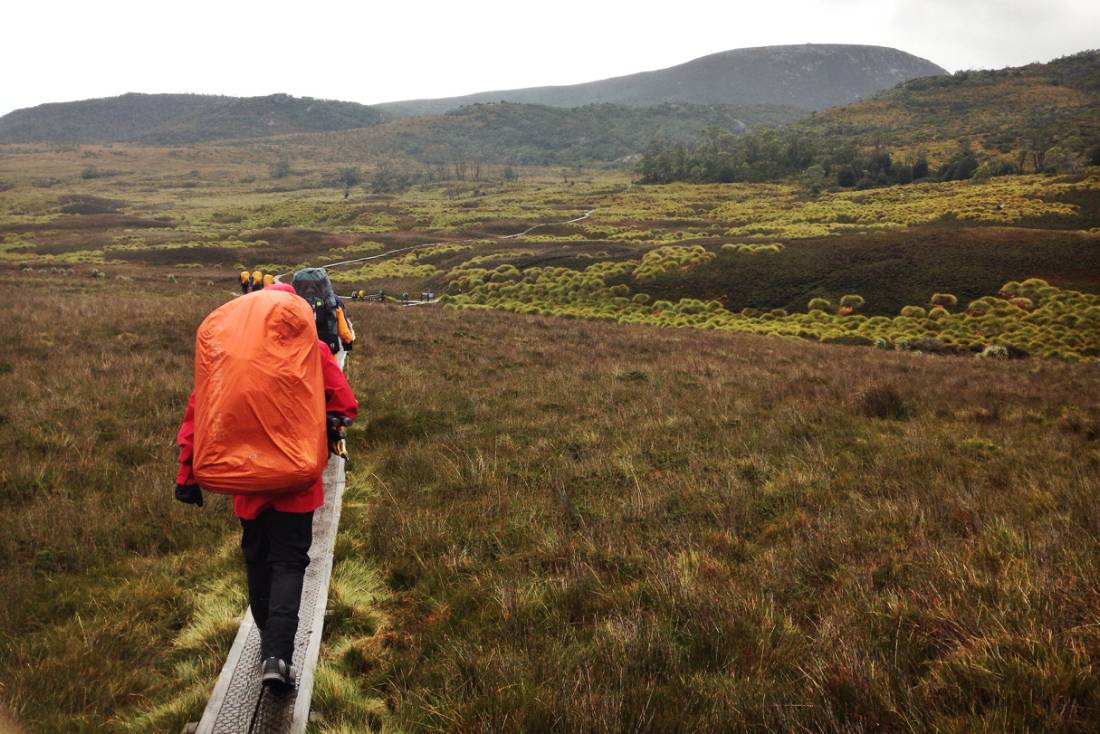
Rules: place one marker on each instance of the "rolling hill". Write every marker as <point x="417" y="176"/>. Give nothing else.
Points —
<point x="809" y="77"/>
<point x="609" y="119"/>
<point x="180" y="118"/>
<point x="1000" y="111"/>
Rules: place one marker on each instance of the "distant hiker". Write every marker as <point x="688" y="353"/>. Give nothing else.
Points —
<point x="246" y="281"/>
<point x="333" y="326"/>
<point x="258" y="280"/>
<point x="268" y="280"/>
<point x="258" y="362"/>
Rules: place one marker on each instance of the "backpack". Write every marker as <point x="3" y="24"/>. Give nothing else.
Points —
<point x="313" y="285"/>
<point x="259" y="397"/>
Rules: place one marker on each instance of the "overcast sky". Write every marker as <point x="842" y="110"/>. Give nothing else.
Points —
<point x="382" y="51"/>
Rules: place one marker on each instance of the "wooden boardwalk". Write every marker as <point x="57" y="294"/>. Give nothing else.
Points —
<point x="239" y="704"/>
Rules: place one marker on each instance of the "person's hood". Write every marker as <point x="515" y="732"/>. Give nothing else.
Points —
<point x="281" y="287"/>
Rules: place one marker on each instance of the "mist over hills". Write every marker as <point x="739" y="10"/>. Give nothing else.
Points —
<point x="180" y="118"/>
<point x="808" y="77"/>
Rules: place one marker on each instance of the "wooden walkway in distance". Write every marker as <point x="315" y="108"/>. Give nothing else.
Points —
<point x="238" y="704"/>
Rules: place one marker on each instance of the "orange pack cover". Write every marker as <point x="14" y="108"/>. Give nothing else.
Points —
<point x="259" y="397"/>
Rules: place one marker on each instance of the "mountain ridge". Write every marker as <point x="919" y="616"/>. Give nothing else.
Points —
<point x="180" y="118"/>
<point x="806" y="76"/>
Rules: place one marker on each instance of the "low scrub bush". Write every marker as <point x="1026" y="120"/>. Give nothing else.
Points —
<point x="885" y="401"/>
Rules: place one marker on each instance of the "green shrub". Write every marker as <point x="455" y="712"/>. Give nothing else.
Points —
<point x="819" y="304"/>
<point x="914" y="312"/>
<point x="929" y="345"/>
<point x="978" y="308"/>
<point x="945" y="300"/>
<point x="280" y="168"/>
<point x="855" y="340"/>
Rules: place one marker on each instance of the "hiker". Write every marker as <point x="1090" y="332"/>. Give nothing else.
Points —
<point x="258" y="280"/>
<point x="269" y="279"/>
<point x="235" y="439"/>
<point x="333" y="324"/>
<point x="245" y="281"/>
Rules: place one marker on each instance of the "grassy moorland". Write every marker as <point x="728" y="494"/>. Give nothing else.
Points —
<point x="614" y="528"/>
<point x="119" y="603"/>
<point x="100" y="570"/>
<point x="648" y="513"/>
<point x="1009" y="263"/>
<point x="568" y="525"/>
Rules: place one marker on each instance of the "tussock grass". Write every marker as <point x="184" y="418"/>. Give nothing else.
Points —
<point x="568" y="525"/>
<point x="590" y="527"/>
<point x="116" y="598"/>
<point x="351" y="667"/>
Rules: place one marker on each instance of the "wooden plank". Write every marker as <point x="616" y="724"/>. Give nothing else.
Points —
<point x="238" y="703"/>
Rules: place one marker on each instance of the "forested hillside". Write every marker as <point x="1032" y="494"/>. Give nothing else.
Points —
<point x="1035" y="118"/>
<point x="538" y="134"/>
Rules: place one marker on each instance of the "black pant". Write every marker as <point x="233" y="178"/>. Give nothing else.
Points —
<point x="276" y="553"/>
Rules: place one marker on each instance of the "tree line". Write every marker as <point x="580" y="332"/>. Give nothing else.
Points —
<point x="821" y="160"/>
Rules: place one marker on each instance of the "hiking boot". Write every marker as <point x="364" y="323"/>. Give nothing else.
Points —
<point x="277" y="676"/>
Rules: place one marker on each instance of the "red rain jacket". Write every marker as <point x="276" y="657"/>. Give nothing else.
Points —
<point x="338" y="399"/>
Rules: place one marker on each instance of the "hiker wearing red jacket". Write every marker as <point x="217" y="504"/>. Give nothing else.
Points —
<point x="277" y="527"/>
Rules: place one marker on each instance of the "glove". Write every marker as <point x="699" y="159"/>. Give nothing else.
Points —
<point x="189" y="494"/>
